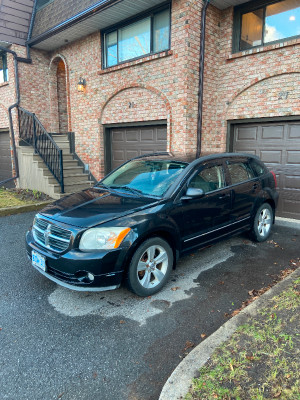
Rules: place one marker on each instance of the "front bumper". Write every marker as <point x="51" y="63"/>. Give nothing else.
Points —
<point x="107" y="266"/>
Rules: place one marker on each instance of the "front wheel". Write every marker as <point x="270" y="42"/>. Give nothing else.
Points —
<point x="150" y="267"/>
<point x="262" y="223"/>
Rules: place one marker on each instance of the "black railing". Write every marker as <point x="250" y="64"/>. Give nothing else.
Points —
<point x="32" y="132"/>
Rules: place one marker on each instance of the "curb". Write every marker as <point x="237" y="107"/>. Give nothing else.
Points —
<point x="289" y="222"/>
<point x="178" y="384"/>
<point x="21" y="209"/>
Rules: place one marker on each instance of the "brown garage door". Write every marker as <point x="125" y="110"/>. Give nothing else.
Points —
<point x="5" y="158"/>
<point x="127" y="143"/>
<point x="278" y="145"/>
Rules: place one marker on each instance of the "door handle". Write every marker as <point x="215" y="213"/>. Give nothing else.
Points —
<point x="224" y="196"/>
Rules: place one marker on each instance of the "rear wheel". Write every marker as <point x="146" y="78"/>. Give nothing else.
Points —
<point x="150" y="267"/>
<point x="262" y="223"/>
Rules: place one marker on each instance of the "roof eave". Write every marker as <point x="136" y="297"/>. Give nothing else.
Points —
<point x="96" y="8"/>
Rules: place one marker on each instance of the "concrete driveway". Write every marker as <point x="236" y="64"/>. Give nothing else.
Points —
<point x="60" y="344"/>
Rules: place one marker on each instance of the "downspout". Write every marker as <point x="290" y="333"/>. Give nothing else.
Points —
<point x="30" y="29"/>
<point x="201" y="76"/>
<point x="16" y="104"/>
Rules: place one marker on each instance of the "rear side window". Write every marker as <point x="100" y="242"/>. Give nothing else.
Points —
<point x="258" y="168"/>
<point x="209" y="179"/>
<point x="240" y="172"/>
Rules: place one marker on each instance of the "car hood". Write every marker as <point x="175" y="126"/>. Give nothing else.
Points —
<point x="94" y="206"/>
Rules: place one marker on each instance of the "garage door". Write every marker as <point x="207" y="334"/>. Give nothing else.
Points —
<point x="5" y="158"/>
<point x="278" y="145"/>
<point x="127" y="143"/>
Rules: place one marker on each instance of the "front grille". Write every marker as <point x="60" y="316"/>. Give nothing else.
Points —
<point x="51" y="236"/>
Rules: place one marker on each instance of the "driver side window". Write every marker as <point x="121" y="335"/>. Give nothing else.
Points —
<point x="209" y="179"/>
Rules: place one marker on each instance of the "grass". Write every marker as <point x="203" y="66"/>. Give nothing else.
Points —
<point x="261" y="360"/>
<point x="19" y="197"/>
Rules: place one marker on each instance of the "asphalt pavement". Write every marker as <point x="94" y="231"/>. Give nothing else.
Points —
<point x="60" y="344"/>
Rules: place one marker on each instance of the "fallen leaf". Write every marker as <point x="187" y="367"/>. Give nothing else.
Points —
<point x="60" y="395"/>
<point x="235" y="312"/>
<point x="122" y="321"/>
<point x="253" y="292"/>
<point x="221" y="283"/>
<point x="188" y="345"/>
<point x="203" y="335"/>
<point x="231" y="367"/>
<point x="175" y="288"/>
<point x="95" y="375"/>
<point x="250" y="358"/>
<point x="278" y="394"/>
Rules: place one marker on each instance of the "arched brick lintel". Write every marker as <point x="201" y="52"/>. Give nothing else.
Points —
<point x="143" y="112"/>
<point x="254" y="85"/>
<point x="256" y="81"/>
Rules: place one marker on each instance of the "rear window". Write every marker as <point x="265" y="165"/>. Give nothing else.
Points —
<point x="258" y="167"/>
<point x="240" y="172"/>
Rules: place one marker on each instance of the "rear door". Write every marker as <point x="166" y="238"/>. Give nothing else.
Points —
<point x="245" y="187"/>
<point x="206" y="217"/>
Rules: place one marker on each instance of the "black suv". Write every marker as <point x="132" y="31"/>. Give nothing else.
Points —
<point x="135" y="223"/>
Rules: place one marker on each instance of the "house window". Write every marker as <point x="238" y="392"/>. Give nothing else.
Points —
<point x="258" y="26"/>
<point x="148" y="35"/>
<point x="41" y="3"/>
<point x="3" y="68"/>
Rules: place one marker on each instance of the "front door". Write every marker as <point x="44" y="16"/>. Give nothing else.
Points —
<point x="206" y="216"/>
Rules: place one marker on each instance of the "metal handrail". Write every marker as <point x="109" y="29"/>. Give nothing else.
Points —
<point x="32" y="132"/>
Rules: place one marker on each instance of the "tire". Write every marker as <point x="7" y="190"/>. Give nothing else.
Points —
<point x="145" y="278"/>
<point x="262" y="223"/>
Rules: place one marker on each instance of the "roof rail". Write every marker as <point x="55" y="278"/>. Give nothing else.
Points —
<point x="162" y="153"/>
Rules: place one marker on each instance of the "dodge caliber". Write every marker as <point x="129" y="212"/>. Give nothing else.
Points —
<point x="134" y="224"/>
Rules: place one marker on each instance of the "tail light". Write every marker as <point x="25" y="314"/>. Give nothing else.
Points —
<point x="275" y="179"/>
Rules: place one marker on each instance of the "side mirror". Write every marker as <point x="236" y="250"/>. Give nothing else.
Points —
<point x="192" y="193"/>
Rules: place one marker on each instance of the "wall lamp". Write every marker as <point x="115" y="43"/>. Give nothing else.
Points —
<point x="81" y="85"/>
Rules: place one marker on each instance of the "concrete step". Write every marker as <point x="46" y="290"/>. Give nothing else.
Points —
<point x="26" y="150"/>
<point x="68" y="171"/>
<point x="71" y="179"/>
<point x="67" y="163"/>
<point x="81" y="185"/>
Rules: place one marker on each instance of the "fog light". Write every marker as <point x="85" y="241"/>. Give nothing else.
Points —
<point x="85" y="277"/>
<point x="90" y="277"/>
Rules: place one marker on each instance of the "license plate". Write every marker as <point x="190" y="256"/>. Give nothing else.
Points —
<point x="38" y="260"/>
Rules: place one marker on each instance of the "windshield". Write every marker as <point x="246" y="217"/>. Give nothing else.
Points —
<point x="145" y="177"/>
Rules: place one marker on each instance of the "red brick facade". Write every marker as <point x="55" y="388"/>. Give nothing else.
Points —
<point x="258" y="83"/>
<point x="161" y="87"/>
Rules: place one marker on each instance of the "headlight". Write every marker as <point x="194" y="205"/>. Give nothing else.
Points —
<point x="103" y="238"/>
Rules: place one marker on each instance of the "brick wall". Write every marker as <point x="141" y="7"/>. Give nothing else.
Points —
<point x="160" y="87"/>
<point x="250" y="84"/>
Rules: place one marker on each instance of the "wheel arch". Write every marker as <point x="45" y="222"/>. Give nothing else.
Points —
<point x="163" y="233"/>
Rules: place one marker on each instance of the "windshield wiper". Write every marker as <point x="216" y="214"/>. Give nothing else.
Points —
<point x="132" y="190"/>
<point x="101" y="185"/>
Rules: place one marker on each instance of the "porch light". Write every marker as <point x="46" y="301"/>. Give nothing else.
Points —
<point x="81" y="85"/>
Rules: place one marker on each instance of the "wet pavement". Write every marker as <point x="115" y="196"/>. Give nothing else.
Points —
<point x="60" y="344"/>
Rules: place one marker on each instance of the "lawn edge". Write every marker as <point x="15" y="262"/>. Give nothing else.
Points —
<point x="179" y="382"/>
<point x="24" y="208"/>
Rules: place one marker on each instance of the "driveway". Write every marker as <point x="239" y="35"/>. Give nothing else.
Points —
<point x="61" y="344"/>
